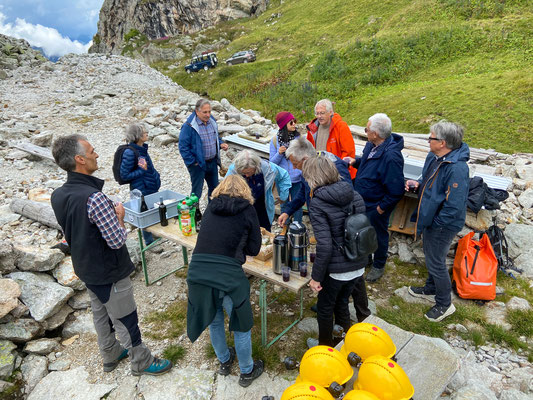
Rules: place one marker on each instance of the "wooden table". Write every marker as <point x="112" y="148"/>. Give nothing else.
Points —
<point x="258" y="268"/>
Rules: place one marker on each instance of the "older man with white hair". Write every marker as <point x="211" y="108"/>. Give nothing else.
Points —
<point x="381" y="183"/>
<point x="328" y="132"/>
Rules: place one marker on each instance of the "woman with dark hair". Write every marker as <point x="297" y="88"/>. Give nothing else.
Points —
<point x="278" y="145"/>
<point x="217" y="281"/>
<point x="137" y="167"/>
<point x="334" y="276"/>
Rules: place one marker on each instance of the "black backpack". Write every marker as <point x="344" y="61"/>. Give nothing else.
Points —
<point x="500" y="247"/>
<point x="360" y="237"/>
<point x="117" y="161"/>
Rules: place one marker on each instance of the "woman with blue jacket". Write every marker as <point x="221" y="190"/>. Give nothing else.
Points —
<point x="261" y="176"/>
<point x="137" y="167"/>
<point x="278" y="145"/>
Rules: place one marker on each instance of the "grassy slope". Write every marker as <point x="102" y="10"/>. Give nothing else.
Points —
<point x="419" y="61"/>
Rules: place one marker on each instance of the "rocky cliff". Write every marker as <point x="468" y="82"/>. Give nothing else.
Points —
<point x="157" y="19"/>
<point x="16" y="52"/>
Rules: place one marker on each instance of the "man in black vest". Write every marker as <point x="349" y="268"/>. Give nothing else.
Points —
<point x="94" y="229"/>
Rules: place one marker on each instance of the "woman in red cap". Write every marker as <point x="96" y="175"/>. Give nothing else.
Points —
<point x="279" y="143"/>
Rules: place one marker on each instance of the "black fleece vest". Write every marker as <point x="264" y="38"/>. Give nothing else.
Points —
<point x="94" y="261"/>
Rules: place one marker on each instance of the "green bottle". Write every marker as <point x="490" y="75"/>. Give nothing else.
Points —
<point x="189" y="202"/>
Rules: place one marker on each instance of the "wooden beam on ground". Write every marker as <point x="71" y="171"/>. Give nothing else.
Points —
<point x="35" y="210"/>
<point x="39" y="151"/>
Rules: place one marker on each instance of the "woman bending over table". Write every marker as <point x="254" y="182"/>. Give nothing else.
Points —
<point x="230" y="231"/>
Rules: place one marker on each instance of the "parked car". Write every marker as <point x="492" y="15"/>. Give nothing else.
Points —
<point x="241" y="57"/>
<point x="203" y="61"/>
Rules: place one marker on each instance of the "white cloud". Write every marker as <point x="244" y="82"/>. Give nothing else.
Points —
<point x="49" y="39"/>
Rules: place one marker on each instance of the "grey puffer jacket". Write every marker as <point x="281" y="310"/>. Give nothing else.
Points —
<point x="328" y="212"/>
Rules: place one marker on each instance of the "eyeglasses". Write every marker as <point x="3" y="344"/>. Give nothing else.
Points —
<point x="292" y="122"/>
<point x="321" y="113"/>
<point x="433" y="138"/>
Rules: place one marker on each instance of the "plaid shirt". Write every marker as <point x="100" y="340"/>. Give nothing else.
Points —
<point x="208" y="136"/>
<point x="101" y="211"/>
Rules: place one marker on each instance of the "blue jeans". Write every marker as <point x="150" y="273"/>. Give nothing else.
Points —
<point x="380" y="222"/>
<point x="436" y="243"/>
<point x="148" y="237"/>
<point x="293" y="192"/>
<point x="243" y="340"/>
<point x="198" y="175"/>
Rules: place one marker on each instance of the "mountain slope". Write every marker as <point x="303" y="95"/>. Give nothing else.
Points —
<point x="419" y="61"/>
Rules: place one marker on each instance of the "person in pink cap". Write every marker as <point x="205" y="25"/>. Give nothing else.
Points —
<point x="279" y="143"/>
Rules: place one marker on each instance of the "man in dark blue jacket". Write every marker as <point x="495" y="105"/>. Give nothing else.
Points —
<point x="199" y="147"/>
<point x="443" y="190"/>
<point x="380" y="181"/>
<point x="298" y="151"/>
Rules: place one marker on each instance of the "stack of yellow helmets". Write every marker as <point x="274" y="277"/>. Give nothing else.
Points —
<point x="324" y="370"/>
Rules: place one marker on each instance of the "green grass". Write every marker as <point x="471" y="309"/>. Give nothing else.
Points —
<point x="419" y="61"/>
<point x="167" y="324"/>
<point x="174" y="353"/>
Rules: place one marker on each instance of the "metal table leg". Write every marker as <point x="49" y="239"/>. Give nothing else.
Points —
<point x="145" y="264"/>
<point x="263" y="306"/>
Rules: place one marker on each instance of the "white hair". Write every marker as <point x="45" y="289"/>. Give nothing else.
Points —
<point x="381" y="124"/>
<point x="325" y="103"/>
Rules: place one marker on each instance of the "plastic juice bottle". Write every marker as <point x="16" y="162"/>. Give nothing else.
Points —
<point x="189" y="202"/>
<point x="197" y="212"/>
<point x="185" y="219"/>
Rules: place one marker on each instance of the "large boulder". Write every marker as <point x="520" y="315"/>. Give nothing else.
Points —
<point x="525" y="263"/>
<point x="33" y="368"/>
<point x="9" y="293"/>
<point x="21" y="330"/>
<point x="58" y="319"/>
<point x="520" y="238"/>
<point x="79" y="324"/>
<point x="71" y="384"/>
<point x="41" y="293"/>
<point x="7" y="358"/>
<point x="7" y="257"/>
<point x="65" y="275"/>
<point x="37" y="259"/>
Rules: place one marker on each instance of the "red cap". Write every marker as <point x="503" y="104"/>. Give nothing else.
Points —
<point x="283" y="118"/>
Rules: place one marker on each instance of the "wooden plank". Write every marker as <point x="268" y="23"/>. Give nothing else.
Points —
<point x="35" y="210"/>
<point x="39" y="151"/>
<point x="258" y="268"/>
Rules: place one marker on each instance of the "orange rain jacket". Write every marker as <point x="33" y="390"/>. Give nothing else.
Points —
<point x="340" y="141"/>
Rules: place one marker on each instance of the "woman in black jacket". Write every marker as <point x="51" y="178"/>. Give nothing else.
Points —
<point x="334" y="276"/>
<point x="216" y="280"/>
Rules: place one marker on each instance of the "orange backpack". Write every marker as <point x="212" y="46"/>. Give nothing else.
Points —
<point x="474" y="268"/>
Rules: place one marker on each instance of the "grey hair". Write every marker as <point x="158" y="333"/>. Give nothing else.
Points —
<point x="450" y="132"/>
<point x="200" y="103"/>
<point x="65" y="148"/>
<point x="326" y="103"/>
<point x="134" y="132"/>
<point x="247" y="159"/>
<point x="381" y="124"/>
<point x="320" y="171"/>
<point x="300" y="148"/>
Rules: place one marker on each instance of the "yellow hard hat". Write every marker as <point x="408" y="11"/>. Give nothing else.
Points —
<point x="306" y="391"/>
<point x="359" y="395"/>
<point x="324" y="365"/>
<point x="384" y="378"/>
<point x="366" y="340"/>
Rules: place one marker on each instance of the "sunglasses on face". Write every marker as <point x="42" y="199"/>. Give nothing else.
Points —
<point x="292" y="122"/>
<point x="433" y="138"/>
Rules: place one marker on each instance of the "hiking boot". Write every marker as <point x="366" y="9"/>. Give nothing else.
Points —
<point x="312" y="342"/>
<point x="110" y="366"/>
<point x="374" y="274"/>
<point x="246" y="379"/>
<point x="158" y="367"/>
<point x="438" y="313"/>
<point x="420" y="291"/>
<point x="225" y="368"/>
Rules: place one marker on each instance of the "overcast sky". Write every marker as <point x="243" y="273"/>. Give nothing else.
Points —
<point x="58" y="26"/>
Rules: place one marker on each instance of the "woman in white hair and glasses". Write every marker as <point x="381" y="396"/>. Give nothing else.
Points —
<point x="261" y="176"/>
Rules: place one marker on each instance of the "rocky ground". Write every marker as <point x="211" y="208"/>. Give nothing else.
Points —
<point x="50" y="340"/>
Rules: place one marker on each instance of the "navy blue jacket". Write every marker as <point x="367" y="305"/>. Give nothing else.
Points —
<point x="380" y="179"/>
<point x="290" y="207"/>
<point x="190" y="143"/>
<point x="443" y="198"/>
<point x="147" y="181"/>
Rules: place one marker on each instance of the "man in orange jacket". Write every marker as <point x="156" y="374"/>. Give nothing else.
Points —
<point x="328" y="132"/>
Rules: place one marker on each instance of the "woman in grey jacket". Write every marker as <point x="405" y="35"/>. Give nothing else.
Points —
<point x="334" y="276"/>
